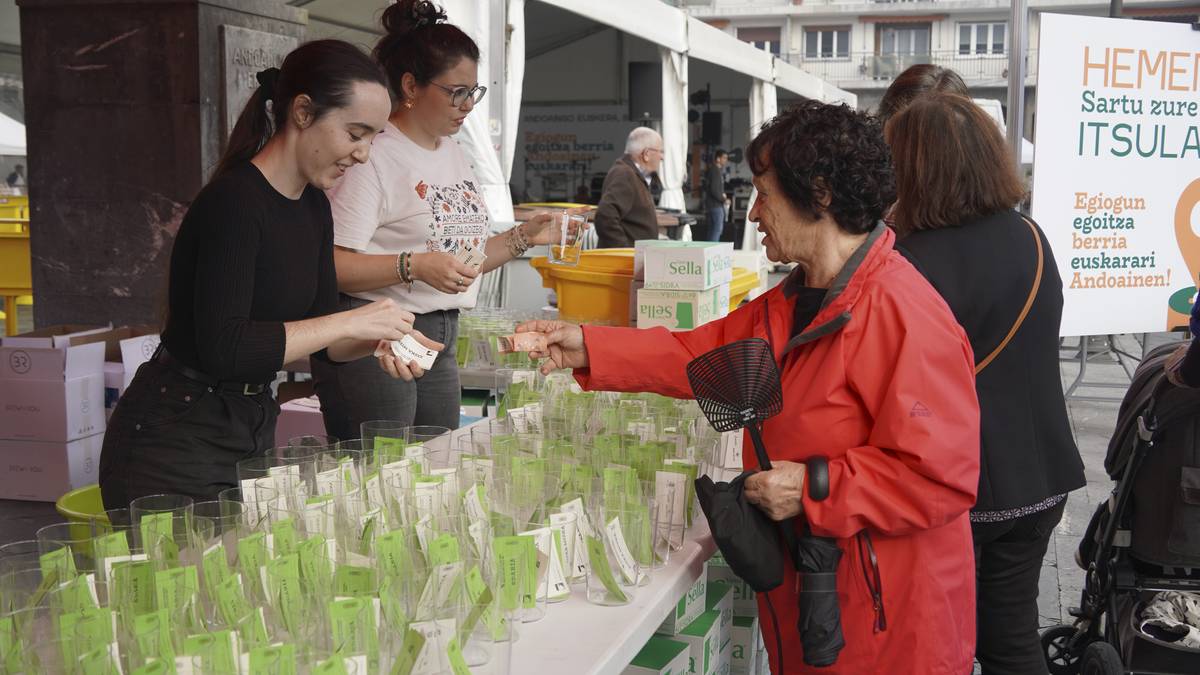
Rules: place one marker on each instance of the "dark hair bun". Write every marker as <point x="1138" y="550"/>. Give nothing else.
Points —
<point x="407" y="16"/>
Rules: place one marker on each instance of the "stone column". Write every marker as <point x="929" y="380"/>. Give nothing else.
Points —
<point x="124" y="108"/>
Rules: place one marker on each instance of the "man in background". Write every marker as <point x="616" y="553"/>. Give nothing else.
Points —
<point x="626" y="212"/>
<point x="16" y="179"/>
<point x="714" y="195"/>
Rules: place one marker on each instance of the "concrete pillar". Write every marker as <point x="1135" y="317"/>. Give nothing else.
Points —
<point x="124" y="106"/>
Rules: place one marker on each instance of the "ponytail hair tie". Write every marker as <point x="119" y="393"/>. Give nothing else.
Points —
<point x="266" y="82"/>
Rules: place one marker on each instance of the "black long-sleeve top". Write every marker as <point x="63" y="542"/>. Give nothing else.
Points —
<point x="246" y="260"/>
<point x="985" y="270"/>
<point x="714" y="189"/>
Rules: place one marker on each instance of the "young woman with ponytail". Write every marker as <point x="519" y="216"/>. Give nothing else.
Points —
<point x="252" y="284"/>
<point x="400" y="217"/>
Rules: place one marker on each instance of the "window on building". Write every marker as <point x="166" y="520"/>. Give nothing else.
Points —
<point x="766" y="38"/>
<point x="904" y="39"/>
<point x="827" y="42"/>
<point x="982" y="38"/>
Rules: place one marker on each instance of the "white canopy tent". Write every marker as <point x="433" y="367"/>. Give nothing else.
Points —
<point x="678" y="36"/>
<point x="12" y="136"/>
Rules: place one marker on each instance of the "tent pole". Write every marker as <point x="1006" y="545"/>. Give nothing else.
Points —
<point x="1018" y="48"/>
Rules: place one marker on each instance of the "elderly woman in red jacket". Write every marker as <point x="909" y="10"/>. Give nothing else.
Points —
<point x="877" y="376"/>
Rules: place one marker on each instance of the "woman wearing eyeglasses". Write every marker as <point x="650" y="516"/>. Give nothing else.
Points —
<point x="400" y="218"/>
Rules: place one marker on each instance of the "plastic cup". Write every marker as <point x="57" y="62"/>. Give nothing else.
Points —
<point x="566" y="232"/>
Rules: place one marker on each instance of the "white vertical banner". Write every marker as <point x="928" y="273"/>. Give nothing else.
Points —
<point x="473" y="17"/>
<point x="764" y="104"/>
<point x="674" y="127"/>
<point x="1116" y="182"/>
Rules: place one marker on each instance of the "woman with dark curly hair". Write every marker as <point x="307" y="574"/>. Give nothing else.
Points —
<point x="877" y="377"/>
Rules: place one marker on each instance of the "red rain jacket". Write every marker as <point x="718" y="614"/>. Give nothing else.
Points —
<point x="881" y="383"/>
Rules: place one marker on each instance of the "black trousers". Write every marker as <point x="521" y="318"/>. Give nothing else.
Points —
<point x="174" y="435"/>
<point x="1008" y="564"/>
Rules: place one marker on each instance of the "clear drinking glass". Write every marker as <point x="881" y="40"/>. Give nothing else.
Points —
<point x="566" y="232"/>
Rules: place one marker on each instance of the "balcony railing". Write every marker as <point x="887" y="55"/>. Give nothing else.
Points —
<point x="858" y="67"/>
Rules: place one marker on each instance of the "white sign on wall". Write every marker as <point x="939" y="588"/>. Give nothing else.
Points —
<point x="561" y="147"/>
<point x="1116" y="183"/>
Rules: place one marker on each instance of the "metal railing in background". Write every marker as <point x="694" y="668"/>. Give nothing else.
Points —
<point x="859" y="67"/>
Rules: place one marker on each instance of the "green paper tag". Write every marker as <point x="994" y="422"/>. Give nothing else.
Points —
<point x="458" y="665"/>
<point x="176" y="590"/>
<point x="598" y="559"/>
<point x="406" y="660"/>
<point x="231" y="600"/>
<point x="273" y="660"/>
<point x="285" y="536"/>
<point x="354" y="581"/>
<point x="334" y="665"/>
<point x="443" y="550"/>
<point x="85" y="631"/>
<point x="392" y="552"/>
<point x="216" y="651"/>
<point x="216" y="568"/>
<point x="158" y="537"/>
<point x="133" y="587"/>
<point x="283" y="576"/>
<point x="76" y="595"/>
<point x="252" y="629"/>
<point x="316" y="569"/>
<point x="252" y="556"/>
<point x="352" y="621"/>
<point x="156" y="667"/>
<point x="388" y="449"/>
<point x="109" y="546"/>
<point x="60" y="562"/>
<point x="480" y="598"/>
<point x="516" y="562"/>
<point x="153" y="635"/>
<point x="99" y="661"/>
<point x="10" y="647"/>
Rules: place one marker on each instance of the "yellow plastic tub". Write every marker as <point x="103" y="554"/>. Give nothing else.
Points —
<point x="597" y="290"/>
<point x="81" y="507"/>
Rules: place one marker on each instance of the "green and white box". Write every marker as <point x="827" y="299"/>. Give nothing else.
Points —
<point x="681" y="310"/>
<point x="745" y="601"/>
<point x="704" y="638"/>
<point x="690" y="266"/>
<point x="690" y="606"/>
<point x="660" y="656"/>
<point x="744" y="656"/>
<point x="719" y="596"/>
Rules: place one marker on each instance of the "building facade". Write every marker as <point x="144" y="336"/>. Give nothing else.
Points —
<point x="861" y="45"/>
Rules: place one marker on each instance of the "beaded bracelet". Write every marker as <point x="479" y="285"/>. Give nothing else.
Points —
<point x="404" y="268"/>
<point x="516" y="242"/>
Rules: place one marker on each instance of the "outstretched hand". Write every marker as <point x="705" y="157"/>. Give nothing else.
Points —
<point x="565" y="347"/>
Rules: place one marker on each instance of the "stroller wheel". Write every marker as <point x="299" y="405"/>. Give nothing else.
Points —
<point x="1100" y="658"/>
<point x="1057" y="644"/>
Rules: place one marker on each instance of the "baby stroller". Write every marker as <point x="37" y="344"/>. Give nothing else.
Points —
<point x="1142" y="546"/>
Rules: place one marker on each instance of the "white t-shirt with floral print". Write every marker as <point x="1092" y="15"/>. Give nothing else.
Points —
<point x="407" y="198"/>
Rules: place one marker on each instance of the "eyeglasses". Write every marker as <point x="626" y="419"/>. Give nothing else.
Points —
<point x="460" y="95"/>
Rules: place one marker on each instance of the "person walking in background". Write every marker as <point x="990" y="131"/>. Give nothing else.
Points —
<point x="626" y="212"/>
<point x="715" y="200"/>
<point x="957" y="187"/>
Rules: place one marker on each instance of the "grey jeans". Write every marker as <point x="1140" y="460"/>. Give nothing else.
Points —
<point x="360" y="391"/>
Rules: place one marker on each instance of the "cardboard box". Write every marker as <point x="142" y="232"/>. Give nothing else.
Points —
<point x="724" y="660"/>
<point x="660" y="656"/>
<point x="43" y="472"/>
<point x="299" y="417"/>
<point x="691" y="266"/>
<point x="125" y="349"/>
<point x="719" y="596"/>
<point x="681" y="310"/>
<point x="51" y="395"/>
<point x="703" y="638"/>
<point x="745" y="601"/>
<point x="687" y="609"/>
<point x="52" y="337"/>
<point x="639" y="253"/>
<point x="744" y="648"/>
